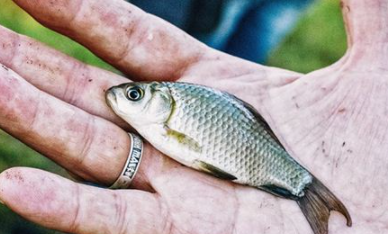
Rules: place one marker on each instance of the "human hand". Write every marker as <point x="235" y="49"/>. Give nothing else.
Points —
<point x="65" y="117"/>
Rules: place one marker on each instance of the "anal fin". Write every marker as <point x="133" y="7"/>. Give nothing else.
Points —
<point x="212" y="170"/>
<point x="279" y="191"/>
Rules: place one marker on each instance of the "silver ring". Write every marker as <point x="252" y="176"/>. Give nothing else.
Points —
<point x="132" y="164"/>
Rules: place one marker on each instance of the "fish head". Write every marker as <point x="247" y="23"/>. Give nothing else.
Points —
<point x="141" y="103"/>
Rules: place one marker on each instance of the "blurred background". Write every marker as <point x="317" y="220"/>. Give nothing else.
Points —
<point x="299" y="35"/>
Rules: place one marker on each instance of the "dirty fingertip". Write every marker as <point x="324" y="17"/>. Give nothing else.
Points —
<point x="5" y="185"/>
<point x="17" y="185"/>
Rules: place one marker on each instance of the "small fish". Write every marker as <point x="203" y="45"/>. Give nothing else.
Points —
<point x="217" y="133"/>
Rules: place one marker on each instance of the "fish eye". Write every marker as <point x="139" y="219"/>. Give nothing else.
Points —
<point x="135" y="93"/>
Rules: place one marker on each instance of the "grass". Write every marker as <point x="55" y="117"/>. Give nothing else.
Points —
<point x="12" y="17"/>
<point x="318" y="41"/>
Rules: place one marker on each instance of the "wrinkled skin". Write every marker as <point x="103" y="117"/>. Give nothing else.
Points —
<point x="333" y="121"/>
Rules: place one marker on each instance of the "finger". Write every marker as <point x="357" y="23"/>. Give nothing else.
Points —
<point x="89" y="146"/>
<point x="137" y="43"/>
<point x="58" y="74"/>
<point x="60" y="204"/>
<point x="84" y="86"/>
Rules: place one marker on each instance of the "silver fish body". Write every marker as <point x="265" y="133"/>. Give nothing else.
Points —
<point x="215" y="132"/>
<point x="231" y="138"/>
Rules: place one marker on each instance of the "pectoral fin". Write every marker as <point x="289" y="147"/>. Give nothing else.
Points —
<point x="183" y="139"/>
<point x="212" y="170"/>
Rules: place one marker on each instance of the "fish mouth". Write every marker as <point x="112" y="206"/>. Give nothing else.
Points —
<point x="110" y="98"/>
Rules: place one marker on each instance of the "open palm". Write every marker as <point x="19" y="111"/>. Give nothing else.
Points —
<point x="333" y="121"/>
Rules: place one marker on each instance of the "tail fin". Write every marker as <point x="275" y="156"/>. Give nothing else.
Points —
<point x="316" y="205"/>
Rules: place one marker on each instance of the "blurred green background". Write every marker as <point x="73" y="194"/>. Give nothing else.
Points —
<point x="318" y="41"/>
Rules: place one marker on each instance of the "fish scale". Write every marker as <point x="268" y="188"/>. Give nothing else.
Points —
<point x="215" y="132"/>
<point x="232" y="139"/>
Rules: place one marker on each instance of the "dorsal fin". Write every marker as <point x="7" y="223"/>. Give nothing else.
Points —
<point x="259" y="119"/>
<point x="263" y="122"/>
